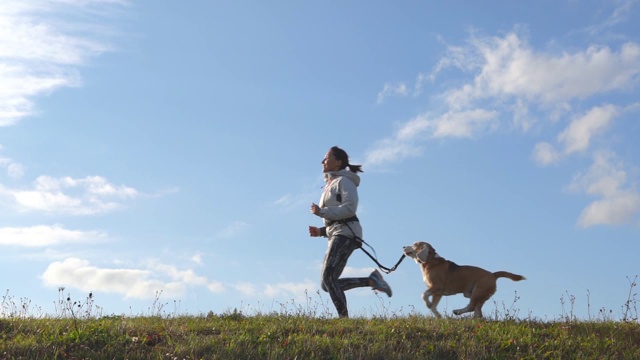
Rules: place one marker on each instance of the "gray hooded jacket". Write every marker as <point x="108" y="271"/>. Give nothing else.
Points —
<point x="339" y="201"/>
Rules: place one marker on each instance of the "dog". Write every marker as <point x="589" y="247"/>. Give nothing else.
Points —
<point x="444" y="278"/>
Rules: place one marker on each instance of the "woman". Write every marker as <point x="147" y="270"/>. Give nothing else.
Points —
<point x="337" y="207"/>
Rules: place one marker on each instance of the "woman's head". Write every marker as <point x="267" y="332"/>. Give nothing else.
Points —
<point x="337" y="159"/>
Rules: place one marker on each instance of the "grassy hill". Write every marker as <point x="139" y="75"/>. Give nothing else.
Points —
<point x="280" y="336"/>
<point x="79" y="331"/>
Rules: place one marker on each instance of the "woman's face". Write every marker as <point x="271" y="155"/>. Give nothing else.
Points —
<point x="329" y="163"/>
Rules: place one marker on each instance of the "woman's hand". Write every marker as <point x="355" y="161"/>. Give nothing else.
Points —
<point x="315" y="209"/>
<point x="314" y="231"/>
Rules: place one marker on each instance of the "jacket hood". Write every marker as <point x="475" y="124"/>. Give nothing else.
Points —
<point x="344" y="172"/>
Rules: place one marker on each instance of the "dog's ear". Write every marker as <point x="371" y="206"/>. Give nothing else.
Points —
<point x="423" y="254"/>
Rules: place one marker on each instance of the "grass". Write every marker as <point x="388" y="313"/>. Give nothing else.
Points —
<point x="280" y="336"/>
<point x="308" y="331"/>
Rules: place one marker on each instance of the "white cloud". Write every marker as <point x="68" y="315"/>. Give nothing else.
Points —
<point x="522" y="119"/>
<point x="620" y="14"/>
<point x="87" y="196"/>
<point x="414" y="128"/>
<point x="450" y="124"/>
<point x="39" y="53"/>
<point x="504" y="77"/>
<point x="356" y="272"/>
<point x="405" y="142"/>
<point x="391" y="150"/>
<point x="245" y="288"/>
<point x="44" y="235"/>
<point x="297" y="291"/>
<point x="188" y="277"/>
<point x="580" y="132"/>
<point x="545" y="154"/>
<point x="419" y="86"/>
<point x="578" y="135"/>
<point x="399" y="89"/>
<point x="611" y="210"/>
<point x="456" y="57"/>
<point x="131" y="283"/>
<point x="511" y="69"/>
<point x="197" y="258"/>
<point x="464" y="123"/>
<point x="619" y="202"/>
<point x="402" y="89"/>
<point x="14" y="169"/>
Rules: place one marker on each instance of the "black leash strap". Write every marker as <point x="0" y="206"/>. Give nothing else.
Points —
<point x="385" y="269"/>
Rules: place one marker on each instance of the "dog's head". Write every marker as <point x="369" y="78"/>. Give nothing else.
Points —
<point x="420" y="251"/>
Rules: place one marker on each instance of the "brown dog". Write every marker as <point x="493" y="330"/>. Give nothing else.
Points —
<point x="444" y="277"/>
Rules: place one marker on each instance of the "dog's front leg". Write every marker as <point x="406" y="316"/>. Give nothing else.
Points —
<point x="425" y="297"/>
<point x="432" y="305"/>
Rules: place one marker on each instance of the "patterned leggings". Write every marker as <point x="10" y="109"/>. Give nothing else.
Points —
<point x="338" y="252"/>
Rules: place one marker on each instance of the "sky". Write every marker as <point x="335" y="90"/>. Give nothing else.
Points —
<point x="163" y="157"/>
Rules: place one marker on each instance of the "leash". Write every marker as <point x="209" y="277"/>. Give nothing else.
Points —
<point x="384" y="269"/>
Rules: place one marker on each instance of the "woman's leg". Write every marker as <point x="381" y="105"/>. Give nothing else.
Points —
<point x="335" y="260"/>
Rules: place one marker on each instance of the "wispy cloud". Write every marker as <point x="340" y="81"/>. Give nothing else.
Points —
<point x="510" y="85"/>
<point x="620" y="14"/>
<point x="45" y="235"/>
<point x="43" y="43"/>
<point x="40" y="53"/>
<point x="289" y="202"/>
<point x="578" y="135"/>
<point x="407" y="140"/>
<point x="391" y="150"/>
<point x="513" y="70"/>
<point x="14" y="169"/>
<point x="399" y="89"/>
<point x="618" y="202"/>
<point x="86" y="196"/>
<point x="232" y="230"/>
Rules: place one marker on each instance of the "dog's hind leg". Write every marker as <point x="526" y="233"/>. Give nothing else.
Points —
<point x="479" y="294"/>
<point x="466" y="309"/>
<point x="478" y="311"/>
<point x="474" y="305"/>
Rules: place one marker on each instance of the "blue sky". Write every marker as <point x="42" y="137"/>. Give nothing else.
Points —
<point x="163" y="152"/>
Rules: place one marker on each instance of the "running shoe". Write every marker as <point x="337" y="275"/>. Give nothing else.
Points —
<point x="379" y="283"/>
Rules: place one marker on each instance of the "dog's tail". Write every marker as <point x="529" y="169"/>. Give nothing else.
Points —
<point x="506" y="274"/>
